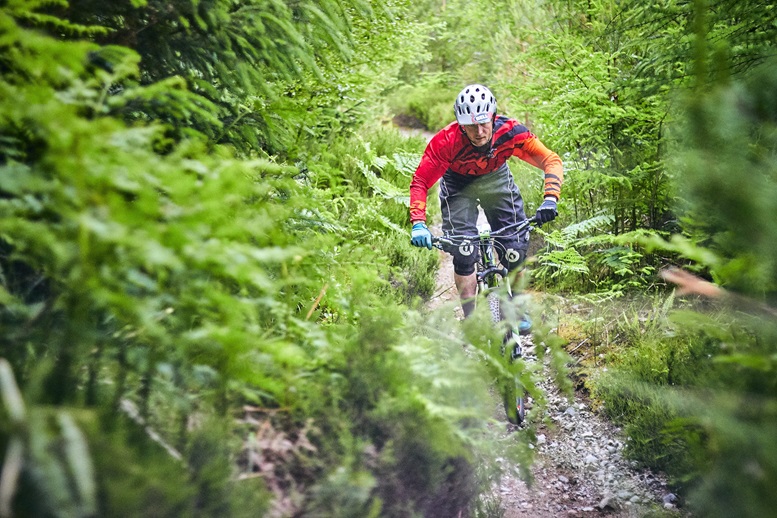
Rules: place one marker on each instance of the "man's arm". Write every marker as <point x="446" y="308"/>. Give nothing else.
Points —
<point x="534" y="152"/>
<point x="433" y="165"/>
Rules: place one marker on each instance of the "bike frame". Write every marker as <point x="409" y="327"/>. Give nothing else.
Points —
<point x="488" y="269"/>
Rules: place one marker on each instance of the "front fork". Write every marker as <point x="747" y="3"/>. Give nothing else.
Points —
<point x="489" y="273"/>
<point x="489" y="276"/>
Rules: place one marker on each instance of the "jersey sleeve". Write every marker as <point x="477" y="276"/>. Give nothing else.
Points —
<point x="534" y="152"/>
<point x="434" y="163"/>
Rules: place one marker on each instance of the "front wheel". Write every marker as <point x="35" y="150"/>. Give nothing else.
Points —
<point x="513" y="404"/>
<point x="512" y="401"/>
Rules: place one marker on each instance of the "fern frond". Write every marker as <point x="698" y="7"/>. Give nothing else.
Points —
<point x="682" y="246"/>
<point x="555" y="239"/>
<point x="383" y="188"/>
<point x="406" y="163"/>
<point x="636" y="236"/>
<point x="588" y="225"/>
<point x="560" y="262"/>
<point x="596" y="241"/>
<point x="390" y="224"/>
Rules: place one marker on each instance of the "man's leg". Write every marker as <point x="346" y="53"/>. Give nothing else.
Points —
<point x="502" y="202"/>
<point x="459" y="216"/>
<point x="468" y="289"/>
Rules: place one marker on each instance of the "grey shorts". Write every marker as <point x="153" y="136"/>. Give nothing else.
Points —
<point x="501" y="201"/>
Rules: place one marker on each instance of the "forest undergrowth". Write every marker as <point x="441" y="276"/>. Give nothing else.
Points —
<point x="209" y="304"/>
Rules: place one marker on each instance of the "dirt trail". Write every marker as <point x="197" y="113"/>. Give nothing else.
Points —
<point x="579" y="469"/>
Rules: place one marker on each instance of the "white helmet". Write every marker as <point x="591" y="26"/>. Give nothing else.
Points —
<point x="474" y="105"/>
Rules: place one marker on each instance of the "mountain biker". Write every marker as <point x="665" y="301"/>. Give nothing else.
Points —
<point x="470" y="156"/>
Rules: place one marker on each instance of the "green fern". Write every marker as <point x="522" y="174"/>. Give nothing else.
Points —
<point x="381" y="187"/>
<point x="406" y="163"/>
<point x="587" y="226"/>
<point x="558" y="263"/>
<point x="574" y="259"/>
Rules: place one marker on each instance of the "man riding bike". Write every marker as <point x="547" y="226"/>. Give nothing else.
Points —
<point x="470" y="156"/>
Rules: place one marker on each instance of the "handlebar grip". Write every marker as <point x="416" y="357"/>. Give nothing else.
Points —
<point x="441" y="240"/>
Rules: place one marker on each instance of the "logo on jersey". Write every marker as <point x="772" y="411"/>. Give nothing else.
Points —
<point x="466" y="248"/>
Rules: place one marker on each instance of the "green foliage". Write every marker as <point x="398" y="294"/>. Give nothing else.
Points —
<point x="364" y="183"/>
<point x="650" y="350"/>
<point x="605" y="84"/>
<point x="153" y="283"/>
<point x="599" y="83"/>
<point x="696" y="391"/>
<point x="736" y="221"/>
<point x="46" y="455"/>
<point x="572" y="84"/>
<point x="430" y="100"/>
<point x="165" y="267"/>
<point x="269" y="74"/>
<point x="139" y="478"/>
<point x="418" y="460"/>
<point x="467" y="36"/>
<point x="62" y="462"/>
<point x="580" y="257"/>
<point x="696" y="404"/>
<point x="598" y="87"/>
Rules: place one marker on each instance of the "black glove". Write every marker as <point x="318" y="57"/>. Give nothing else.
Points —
<point x="547" y="211"/>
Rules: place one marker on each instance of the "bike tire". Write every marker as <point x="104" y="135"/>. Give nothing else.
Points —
<point x="513" y="403"/>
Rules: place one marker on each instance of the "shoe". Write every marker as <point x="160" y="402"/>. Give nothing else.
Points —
<point x="524" y="326"/>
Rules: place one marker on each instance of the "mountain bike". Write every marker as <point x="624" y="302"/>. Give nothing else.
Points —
<point x="491" y="275"/>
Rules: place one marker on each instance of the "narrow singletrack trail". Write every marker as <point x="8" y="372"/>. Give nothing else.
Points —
<point x="579" y="468"/>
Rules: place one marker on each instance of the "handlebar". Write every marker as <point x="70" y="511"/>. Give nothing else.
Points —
<point x="438" y="241"/>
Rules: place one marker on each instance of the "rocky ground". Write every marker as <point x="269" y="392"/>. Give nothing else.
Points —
<point x="579" y="468"/>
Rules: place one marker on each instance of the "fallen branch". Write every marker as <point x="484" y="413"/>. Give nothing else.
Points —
<point x="317" y="301"/>
<point x="578" y="346"/>
<point x="129" y="408"/>
<point x="690" y="284"/>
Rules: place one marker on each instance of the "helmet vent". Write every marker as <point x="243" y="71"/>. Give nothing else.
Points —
<point x="474" y="105"/>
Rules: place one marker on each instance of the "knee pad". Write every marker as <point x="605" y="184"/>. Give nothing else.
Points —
<point x="514" y="258"/>
<point x="463" y="268"/>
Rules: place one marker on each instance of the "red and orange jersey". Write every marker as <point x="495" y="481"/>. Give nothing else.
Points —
<point x="450" y="150"/>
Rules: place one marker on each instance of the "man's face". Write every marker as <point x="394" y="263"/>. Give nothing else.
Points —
<point x="479" y="134"/>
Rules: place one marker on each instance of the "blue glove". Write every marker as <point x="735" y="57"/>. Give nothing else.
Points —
<point x="547" y="211"/>
<point x="421" y="235"/>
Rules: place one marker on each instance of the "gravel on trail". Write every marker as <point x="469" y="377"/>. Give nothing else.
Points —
<point x="579" y="467"/>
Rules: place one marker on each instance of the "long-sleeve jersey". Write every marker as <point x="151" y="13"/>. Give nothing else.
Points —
<point x="451" y="150"/>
